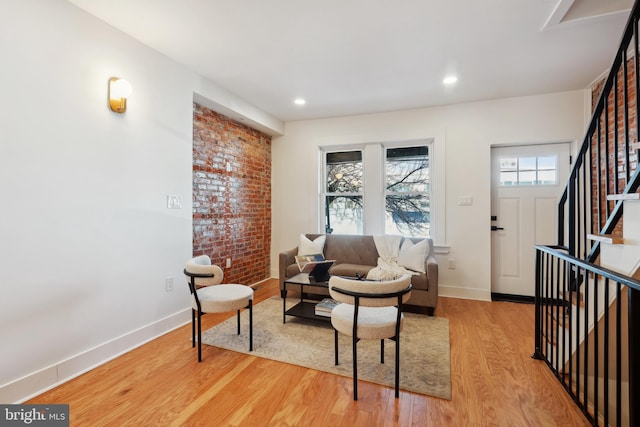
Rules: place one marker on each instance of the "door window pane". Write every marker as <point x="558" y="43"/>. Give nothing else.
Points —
<point x="547" y="163"/>
<point x="527" y="177"/>
<point x="528" y="171"/>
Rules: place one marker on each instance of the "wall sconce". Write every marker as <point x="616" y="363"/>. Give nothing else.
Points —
<point x="119" y="91"/>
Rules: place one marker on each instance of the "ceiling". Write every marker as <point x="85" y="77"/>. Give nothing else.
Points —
<point x="349" y="57"/>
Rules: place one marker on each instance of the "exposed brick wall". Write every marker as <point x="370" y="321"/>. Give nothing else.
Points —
<point x="604" y="140"/>
<point x="231" y="209"/>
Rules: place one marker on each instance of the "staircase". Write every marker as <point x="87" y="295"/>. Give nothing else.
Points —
<point x="622" y="254"/>
<point x="587" y="287"/>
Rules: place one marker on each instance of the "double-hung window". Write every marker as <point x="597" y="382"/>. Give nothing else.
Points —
<point x="343" y="192"/>
<point x="407" y="191"/>
<point x="377" y="189"/>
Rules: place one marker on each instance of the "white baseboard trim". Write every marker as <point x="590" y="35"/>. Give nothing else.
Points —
<point x="464" y="293"/>
<point x="36" y="383"/>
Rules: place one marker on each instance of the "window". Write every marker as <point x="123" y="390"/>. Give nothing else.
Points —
<point x="376" y="190"/>
<point x="407" y="191"/>
<point x="343" y="192"/>
<point x="516" y="171"/>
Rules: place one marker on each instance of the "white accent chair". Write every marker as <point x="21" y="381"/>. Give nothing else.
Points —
<point x="209" y="296"/>
<point x="369" y="310"/>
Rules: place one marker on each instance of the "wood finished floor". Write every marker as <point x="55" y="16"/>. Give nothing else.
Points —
<point x="494" y="383"/>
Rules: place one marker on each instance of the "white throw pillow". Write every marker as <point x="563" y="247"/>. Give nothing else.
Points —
<point x="308" y="247"/>
<point x="412" y="256"/>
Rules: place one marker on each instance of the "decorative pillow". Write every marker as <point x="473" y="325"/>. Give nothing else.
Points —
<point x="307" y="247"/>
<point x="412" y="255"/>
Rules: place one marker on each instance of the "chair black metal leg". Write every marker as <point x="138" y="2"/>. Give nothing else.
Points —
<point x="193" y="328"/>
<point x="382" y="350"/>
<point x="355" y="368"/>
<point x="335" y="345"/>
<point x="238" y="317"/>
<point x="199" y="336"/>
<point x="397" y="366"/>
<point x="250" y="325"/>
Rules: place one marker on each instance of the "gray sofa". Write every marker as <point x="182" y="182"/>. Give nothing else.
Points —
<point x="357" y="254"/>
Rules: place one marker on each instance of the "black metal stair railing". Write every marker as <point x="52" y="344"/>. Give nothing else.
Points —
<point x="609" y="154"/>
<point x="587" y="318"/>
<point x="591" y="343"/>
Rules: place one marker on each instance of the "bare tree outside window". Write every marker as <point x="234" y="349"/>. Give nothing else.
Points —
<point x="343" y="204"/>
<point x="407" y="186"/>
<point x="407" y="200"/>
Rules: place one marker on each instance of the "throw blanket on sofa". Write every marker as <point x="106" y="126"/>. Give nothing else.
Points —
<point x="388" y="250"/>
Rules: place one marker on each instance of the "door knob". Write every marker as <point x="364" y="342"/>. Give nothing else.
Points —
<point x="496" y="228"/>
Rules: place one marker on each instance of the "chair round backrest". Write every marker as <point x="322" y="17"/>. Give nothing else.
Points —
<point x="202" y="265"/>
<point x="394" y="286"/>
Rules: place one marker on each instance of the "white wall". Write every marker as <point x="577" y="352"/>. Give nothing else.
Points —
<point x="463" y="135"/>
<point x="86" y="239"/>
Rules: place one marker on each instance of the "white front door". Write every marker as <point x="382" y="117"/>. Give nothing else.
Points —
<point x="526" y="184"/>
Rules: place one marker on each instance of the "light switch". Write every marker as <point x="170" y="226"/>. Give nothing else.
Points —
<point x="174" y="202"/>
<point x="465" y="201"/>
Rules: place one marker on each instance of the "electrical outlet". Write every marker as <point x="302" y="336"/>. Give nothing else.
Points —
<point x="228" y="262"/>
<point x="168" y="284"/>
<point x="451" y="263"/>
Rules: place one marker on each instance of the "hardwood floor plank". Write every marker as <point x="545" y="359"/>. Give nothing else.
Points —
<point x="212" y="392"/>
<point x="494" y="382"/>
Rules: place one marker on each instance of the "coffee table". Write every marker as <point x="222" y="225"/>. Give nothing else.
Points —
<point x="305" y="308"/>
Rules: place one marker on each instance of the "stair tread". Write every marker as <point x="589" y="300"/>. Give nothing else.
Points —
<point x="561" y="319"/>
<point x="606" y="238"/>
<point x="625" y="196"/>
<point x="576" y="298"/>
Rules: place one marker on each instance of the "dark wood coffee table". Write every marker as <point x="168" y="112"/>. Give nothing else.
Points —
<point x="306" y="308"/>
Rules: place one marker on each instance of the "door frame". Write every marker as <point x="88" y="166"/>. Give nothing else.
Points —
<point x="496" y="296"/>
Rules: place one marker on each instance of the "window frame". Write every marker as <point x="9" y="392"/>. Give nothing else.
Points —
<point x="323" y="182"/>
<point x="374" y="183"/>
<point x="427" y="194"/>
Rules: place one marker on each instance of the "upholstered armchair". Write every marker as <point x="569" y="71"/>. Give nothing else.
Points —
<point x="369" y="310"/>
<point x="209" y="296"/>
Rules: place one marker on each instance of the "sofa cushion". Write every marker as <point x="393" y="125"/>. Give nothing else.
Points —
<point x="351" y="249"/>
<point x="311" y="247"/>
<point x="350" y="270"/>
<point x="413" y="256"/>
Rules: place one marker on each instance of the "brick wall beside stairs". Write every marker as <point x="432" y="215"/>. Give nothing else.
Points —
<point x="231" y="209"/>
<point x="606" y="139"/>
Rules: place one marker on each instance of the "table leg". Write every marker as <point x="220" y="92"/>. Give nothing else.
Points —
<point x="283" y="294"/>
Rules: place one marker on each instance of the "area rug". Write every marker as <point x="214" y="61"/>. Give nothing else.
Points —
<point x="425" y="365"/>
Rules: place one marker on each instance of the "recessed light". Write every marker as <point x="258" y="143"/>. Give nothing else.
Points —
<point x="299" y="101"/>
<point x="449" y="80"/>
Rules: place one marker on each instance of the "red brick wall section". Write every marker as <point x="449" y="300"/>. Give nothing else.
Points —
<point x="605" y="140"/>
<point x="231" y="209"/>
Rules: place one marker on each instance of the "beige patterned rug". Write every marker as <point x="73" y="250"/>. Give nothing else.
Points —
<point x="424" y="348"/>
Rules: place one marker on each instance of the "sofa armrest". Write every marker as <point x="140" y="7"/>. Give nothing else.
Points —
<point x="286" y="258"/>
<point x="432" y="273"/>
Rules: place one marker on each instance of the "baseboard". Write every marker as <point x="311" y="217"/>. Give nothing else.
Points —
<point x="464" y="293"/>
<point x="526" y="299"/>
<point x="36" y="383"/>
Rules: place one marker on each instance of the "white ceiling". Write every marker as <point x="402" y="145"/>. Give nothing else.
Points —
<point x="350" y="57"/>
